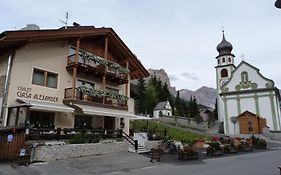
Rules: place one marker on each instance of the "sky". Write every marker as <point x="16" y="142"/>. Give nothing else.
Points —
<point x="179" y="36"/>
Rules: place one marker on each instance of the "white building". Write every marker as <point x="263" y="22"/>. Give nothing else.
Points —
<point x="244" y="88"/>
<point x="163" y="107"/>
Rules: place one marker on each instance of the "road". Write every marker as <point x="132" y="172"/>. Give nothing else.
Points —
<point x="257" y="162"/>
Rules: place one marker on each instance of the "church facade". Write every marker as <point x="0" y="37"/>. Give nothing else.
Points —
<point x="244" y="90"/>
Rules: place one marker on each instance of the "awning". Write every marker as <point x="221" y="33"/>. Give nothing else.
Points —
<point x="138" y="117"/>
<point x="46" y="106"/>
<point x="92" y="110"/>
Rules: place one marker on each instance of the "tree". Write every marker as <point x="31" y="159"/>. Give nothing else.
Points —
<point x="150" y="100"/>
<point x="216" y="117"/>
<point x="198" y="119"/>
<point x="140" y="101"/>
<point x="165" y="92"/>
<point x="193" y="108"/>
<point x="177" y="104"/>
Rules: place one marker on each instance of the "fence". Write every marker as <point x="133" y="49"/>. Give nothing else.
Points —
<point x="13" y="145"/>
<point x="183" y="121"/>
<point x="68" y="133"/>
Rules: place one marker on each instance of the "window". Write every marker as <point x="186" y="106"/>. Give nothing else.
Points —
<point x="224" y="73"/>
<point x="244" y="77"/>
<point x="223" y="60"/>
<point x="44" y="78"/>
<point x="219" y="61"/>
<point x="229" y="59"/>
<point x="85" y="83"/>
<point x="41" y="119"/>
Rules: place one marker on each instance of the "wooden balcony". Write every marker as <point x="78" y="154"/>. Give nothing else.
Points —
<point x="95" y="69"/>
<point x="87" y="99"/>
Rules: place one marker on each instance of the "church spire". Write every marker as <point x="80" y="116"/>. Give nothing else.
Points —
<point x="224" y="47"/>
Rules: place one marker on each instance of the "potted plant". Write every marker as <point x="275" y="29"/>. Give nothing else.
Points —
<point x="214" y="149"/>
<point x="230" y="148"/>
<point x="244" y="146"/>
<point x="187" y="152"/>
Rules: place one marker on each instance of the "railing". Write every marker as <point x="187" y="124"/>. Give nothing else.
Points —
<point x="79" y="96"/>
<point x="93" y="65"/>
<point x="68" y="133"/>
<point x="130" y="140"/>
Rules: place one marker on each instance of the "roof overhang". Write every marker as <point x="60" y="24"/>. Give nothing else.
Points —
<point x="16" y="39"/>
<point x="44" y="106"/>
<point x="98" y="111"/>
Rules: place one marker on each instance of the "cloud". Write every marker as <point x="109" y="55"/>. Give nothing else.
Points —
<point x="190" y="76"/>
<point x="173" y="77"/>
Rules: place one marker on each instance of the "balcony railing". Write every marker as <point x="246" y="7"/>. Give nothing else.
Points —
<point x="93" y="63"/>
<point x="97" y="100"/>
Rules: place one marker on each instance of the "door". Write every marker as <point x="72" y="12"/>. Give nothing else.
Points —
<point x="109" y="123"/>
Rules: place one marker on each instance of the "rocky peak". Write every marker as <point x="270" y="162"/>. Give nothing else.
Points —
<point x="163" y="76"/>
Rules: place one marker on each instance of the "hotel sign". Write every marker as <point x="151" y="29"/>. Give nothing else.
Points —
<point x="25" y="92"/>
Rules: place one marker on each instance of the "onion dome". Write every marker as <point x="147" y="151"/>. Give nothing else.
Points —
<point x="224" y="47"/>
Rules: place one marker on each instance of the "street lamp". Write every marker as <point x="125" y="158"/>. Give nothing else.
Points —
<point x="278" y="4"/>
<point x="234" y="121"/>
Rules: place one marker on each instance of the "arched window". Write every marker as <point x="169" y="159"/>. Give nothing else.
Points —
<point x="224" y="73"/>
<point x="223" y="60"/>
<point x="219" y="61"/>
<point x="229" y="59"/>
<point x="244" y="77"/>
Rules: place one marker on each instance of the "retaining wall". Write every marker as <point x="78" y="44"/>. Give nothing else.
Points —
<point x="56" y="152"/>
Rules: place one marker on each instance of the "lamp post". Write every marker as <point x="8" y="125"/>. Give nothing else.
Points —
<point x="278" y="4"/>
<point x="234" y="121"/>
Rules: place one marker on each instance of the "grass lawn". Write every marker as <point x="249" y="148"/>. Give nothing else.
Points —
<point x="175" y="134"/>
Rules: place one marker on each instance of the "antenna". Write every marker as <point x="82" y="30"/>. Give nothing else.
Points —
<point x="65" y="21"/>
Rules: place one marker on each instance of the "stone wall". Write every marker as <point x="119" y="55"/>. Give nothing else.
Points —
<point x="56" y="152"/>
<point x="149" y="144"/>
<point x="183" y="121"/>
<point x="273" y="135"/>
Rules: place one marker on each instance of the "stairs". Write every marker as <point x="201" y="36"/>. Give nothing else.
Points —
<point x="132" y="142"/>
<point x="141" y="149"/>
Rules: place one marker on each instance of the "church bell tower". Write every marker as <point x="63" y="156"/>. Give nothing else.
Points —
<point x="224" y="68"/>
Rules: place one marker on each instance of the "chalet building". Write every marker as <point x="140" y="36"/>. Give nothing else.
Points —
<point x="247" y="101"/>
<point x="70" y="77"/>
<point x="162" y="109"/>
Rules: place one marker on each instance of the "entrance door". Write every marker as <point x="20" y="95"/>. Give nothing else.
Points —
<point x="109" y="123"/>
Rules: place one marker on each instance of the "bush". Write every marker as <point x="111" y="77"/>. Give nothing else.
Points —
<point x="84" y="138"/>
<point x="258" y="143"/>
<point x="261" y="144"/>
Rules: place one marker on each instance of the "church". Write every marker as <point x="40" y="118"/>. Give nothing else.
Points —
<point x="247" y="101"/>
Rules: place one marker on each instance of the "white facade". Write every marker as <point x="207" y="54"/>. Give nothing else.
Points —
<point x="164" y="108"/>
<point x="242" y="89"/>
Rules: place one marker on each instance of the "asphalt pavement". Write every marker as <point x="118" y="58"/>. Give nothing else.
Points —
<point x="257" y="162"/>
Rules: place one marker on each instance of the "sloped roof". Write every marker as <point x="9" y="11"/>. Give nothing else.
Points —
<point x="247" y="113"/>
<point x="17" y="39"/>
<point x="161" y="105"/>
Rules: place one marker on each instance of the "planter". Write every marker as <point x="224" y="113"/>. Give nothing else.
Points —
<point x="230" y="149"/>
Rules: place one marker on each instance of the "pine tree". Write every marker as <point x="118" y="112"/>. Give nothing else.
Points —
<point x="215" y="115"/>
<point x="141" y="87"/>
<point x="177" y="104"/>
<point x="165" y="92"/>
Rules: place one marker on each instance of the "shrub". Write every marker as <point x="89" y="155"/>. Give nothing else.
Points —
<point x="84" y="138"/>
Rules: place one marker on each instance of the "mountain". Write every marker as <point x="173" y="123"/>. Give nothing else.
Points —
<point x="204" y="95"/>
<point x="163" y="76"/>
